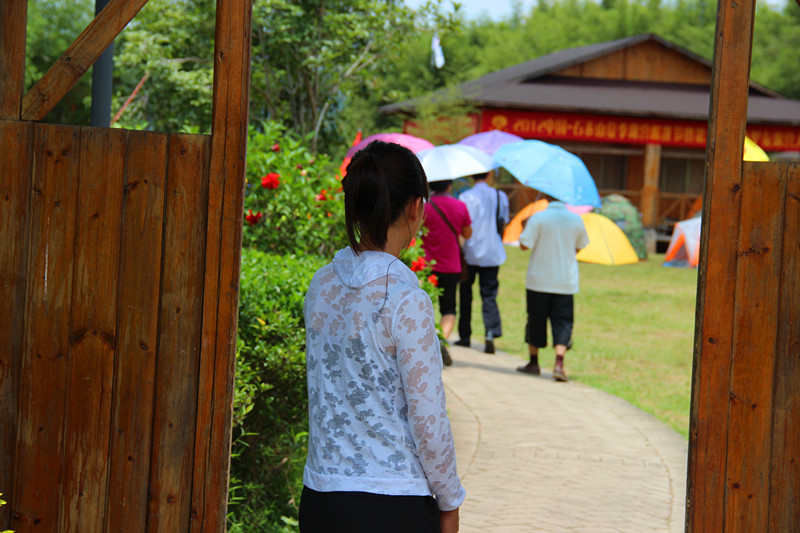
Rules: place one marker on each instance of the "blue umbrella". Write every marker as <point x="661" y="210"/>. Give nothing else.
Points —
<point x="549" y="169"/>
<point x="490" y="141"/>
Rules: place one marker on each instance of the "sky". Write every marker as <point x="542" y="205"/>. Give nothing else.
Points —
<point x="496" y="9"/>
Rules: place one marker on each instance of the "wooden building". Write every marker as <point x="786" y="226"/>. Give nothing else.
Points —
<point x="635" y="110"/>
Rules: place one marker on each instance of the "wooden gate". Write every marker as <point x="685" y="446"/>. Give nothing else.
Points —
<point x="744" y="455"/>
<point x="118" y="297"/>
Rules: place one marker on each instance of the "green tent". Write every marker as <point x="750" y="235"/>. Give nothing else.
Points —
<point x="627" y="217"/>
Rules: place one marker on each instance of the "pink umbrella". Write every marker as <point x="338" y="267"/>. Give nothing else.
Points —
<point x="415" y="144"/>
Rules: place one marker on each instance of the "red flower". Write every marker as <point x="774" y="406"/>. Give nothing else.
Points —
<point x="253" y="218"/>
<point x="413" y="242"/>
<point x="271" y="180"/>
<point x="433" y="280"/>
<point x="322" y="196"/>
<point x="276" y="147"/>
<point x="418" y="264"/>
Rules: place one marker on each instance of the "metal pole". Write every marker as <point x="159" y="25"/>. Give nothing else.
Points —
<point x="102" y="75"/>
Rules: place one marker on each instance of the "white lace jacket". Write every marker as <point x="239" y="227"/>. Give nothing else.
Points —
<point x="377" y="415"/>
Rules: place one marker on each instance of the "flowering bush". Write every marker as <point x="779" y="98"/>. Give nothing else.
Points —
<point x="293" y="200"/>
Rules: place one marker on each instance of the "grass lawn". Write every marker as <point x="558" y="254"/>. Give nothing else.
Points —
<point x="633" y="335"/>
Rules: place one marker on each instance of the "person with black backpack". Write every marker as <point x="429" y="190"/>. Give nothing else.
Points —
<point x="484" y="253"/>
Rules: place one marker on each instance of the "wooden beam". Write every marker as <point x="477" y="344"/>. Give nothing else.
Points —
<point x="81" y="54"/>
<point x="16" y="166"/>
<point x="716" y="293"/>
<point x="652" y="168"/>
<point x="223" y="253"/>
<point x="13" y="24"/>
<point x="784" y="497"/>
<point x="752" y="361"/>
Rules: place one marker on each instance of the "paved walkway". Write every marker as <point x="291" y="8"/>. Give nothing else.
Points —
<point x="537" y="455"/>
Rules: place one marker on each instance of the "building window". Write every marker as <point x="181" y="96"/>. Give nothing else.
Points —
<point x="610" y="171"/>
<point x="682" y="175"/>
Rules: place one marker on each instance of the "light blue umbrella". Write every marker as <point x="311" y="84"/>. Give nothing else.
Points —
<point x="451" y="161"/>
<point x="549" y="169"/>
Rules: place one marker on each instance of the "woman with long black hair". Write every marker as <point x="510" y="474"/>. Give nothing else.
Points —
<point x="381" y="457"/>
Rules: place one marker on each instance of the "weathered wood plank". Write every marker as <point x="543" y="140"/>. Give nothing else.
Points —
<point x="784" y="499"/>
<point x="13" y="25"/>
<point x="179" y="336"/>
<point x="15" y="191"/>
<point x="716" y="280"/>
<point x="137" y="331"/>
<point x="222" y="263"/>
<point x="755" y="335"/>
<point x="43" y="375"/>
<point x="81" y="55"/>
<point x="92" y="330"/>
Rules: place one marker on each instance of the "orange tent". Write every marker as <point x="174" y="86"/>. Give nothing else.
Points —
<point x="514" y="228"/>
<point x="684" y="247"/>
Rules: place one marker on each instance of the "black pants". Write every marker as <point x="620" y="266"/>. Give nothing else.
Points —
<point x="488" y="284"/>
<point x="364" y="512"/>
<point x="559" y="308"/>
<point x="448" y="282"/>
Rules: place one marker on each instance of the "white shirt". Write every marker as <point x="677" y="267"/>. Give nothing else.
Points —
<point x="554" y="236"/>
<point x="376" y="404"/>
<point x="485" y="247"/>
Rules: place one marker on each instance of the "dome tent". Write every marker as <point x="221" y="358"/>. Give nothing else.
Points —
<point x="627" y="217"/>
<point x="684" y="247"/>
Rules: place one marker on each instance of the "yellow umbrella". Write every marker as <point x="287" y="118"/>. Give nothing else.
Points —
<point x="753" y="152"/>
<point x="608" y="244"/>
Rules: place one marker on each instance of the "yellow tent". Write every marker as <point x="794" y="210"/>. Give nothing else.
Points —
<point x="753" y="152"/>
<point x="608" y="244"/>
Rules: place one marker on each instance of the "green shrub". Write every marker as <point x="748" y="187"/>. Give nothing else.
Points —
<point x="270" y="404"/>
<point x="293" y="200"/>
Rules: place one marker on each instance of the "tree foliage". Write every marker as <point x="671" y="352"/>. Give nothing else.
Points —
<point x="324" y="67"/>
<point x="52" y="26"/>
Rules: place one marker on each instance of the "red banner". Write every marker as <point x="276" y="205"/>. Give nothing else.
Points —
<point x="626" y="130"/>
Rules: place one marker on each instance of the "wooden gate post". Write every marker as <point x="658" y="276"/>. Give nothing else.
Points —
<point x="744" y="452"/>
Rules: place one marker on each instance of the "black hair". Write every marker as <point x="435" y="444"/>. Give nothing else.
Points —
<point x="381" y="180"/>
<point x="440" y="186"/>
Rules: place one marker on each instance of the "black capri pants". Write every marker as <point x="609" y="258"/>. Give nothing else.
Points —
<point x="558" y="308"/>
<point x="448" y="282"/>
<point x="364" y="512"/>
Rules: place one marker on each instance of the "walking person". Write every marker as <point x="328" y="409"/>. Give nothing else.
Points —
<point x="484" y="253"/>
<point x="380" y="449"/>
<point x="554" y="236"/>
<point x="447" y="221"/>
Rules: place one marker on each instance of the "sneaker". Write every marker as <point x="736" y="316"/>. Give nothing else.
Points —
<point x="446" y="359"/>
<point x="489" y="346"/>
<point x="559" y="374"/>
<point x="462" y="342"/>
<point x="530" y="368"/>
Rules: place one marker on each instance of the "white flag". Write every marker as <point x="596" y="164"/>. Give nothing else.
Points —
<point x="437" y="56"/>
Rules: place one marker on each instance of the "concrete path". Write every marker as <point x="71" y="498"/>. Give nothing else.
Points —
<point x="537" y="455"/>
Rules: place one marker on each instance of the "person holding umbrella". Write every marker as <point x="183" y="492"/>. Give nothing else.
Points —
<point x="447" y="221"/>
<point x="484" y="253"/>
<point x="554" y="236"/>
